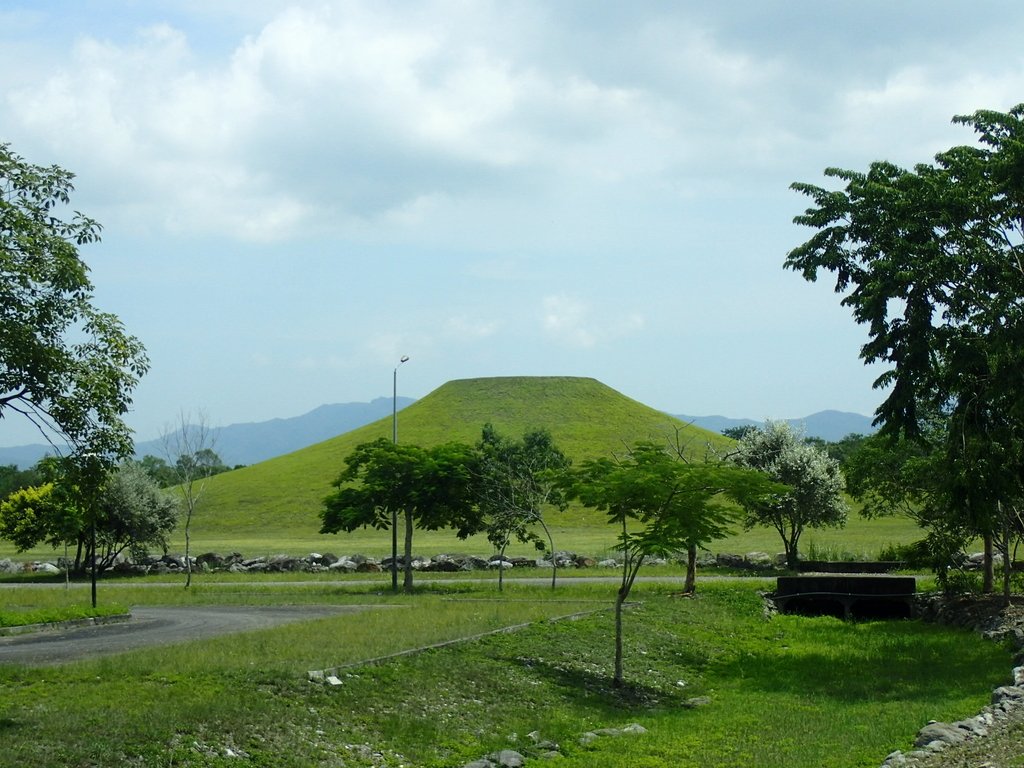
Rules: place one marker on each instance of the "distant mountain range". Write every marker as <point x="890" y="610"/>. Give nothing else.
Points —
<point x="252" y="443"/>
<point x="831" y="426"/>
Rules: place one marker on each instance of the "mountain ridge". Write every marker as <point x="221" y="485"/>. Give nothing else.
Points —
<point x="253" y="442"/>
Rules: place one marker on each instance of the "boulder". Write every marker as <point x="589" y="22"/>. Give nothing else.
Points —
<point x="758" y="559"/>
<point x="940" y="732"/>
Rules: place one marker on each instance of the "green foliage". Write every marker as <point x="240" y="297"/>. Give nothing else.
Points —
<point x="661" y="505"/>
<point x="431" y="487"/>
<point x="517" y="480"/>
<point x="815" y="485"/>
<point x="38" y="514"/>
<point x="64" y="365"/>
<point x="13" y="479"/>
<point x="931" y="261"/>
<point x="133" y="514"/>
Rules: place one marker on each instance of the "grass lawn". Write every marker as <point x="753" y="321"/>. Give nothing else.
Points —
<point x="783" y="691"/>
<point x="583" y="534"/>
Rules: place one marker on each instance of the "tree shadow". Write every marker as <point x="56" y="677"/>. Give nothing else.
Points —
<point x="598" y="688"/>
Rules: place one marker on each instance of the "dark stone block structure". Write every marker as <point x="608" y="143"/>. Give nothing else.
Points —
<point x="847" y="596"/>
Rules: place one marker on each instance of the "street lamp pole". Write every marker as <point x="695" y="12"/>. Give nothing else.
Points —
<point x="394" y="439"/>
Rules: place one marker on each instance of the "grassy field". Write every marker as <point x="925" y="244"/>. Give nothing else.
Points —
<point x="782" y="691"/>
<point x="860" y="539"/>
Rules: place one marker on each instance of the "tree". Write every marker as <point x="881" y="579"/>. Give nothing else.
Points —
<point x="133" y="514"/>
<point x="13" y="479"/>
<point x="518" y="479"/>
<point x="159" y="470"/>
<point x="129" y="511"/>
<point x="815" y="498"/>
<point x="64" y="365"/>
<point x="932" y="261"/>
<point x="189" y="446"/>
<point x="737" y="433"/>
<point x="661" y="505"/>
<point x="899" y="476"/>
<point x="432" y="488"/>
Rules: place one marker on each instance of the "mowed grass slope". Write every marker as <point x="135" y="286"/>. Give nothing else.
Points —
<point x="282" y="497"/>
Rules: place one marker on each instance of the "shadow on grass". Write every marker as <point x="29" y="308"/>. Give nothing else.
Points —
<point x="598" y="687"/>
<point x="864" y="663"/>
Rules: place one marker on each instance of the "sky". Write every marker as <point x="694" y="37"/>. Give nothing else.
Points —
<point x="295" y="195"/>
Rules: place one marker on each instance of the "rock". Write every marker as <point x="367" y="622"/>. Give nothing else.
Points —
<point x="369" y="566"/>
<point x="941" y="732"/>
<point x="483" y="763"/>
<point x="344" y="564"/>
<point x="758" y="559"/>
<point x="697" y="701"/>
<point x="509" y="758"/>
<point x="894" y="760"/>
<point x="1018" y="676"/>
<point x="609" y="563"/>
<point x="1008" y="694"/>
<point x="211" y="559"/>
<point x="585" y="562"/>
<point x="46" y="568"/>
<point x="729" y="561"/>
<point x="634" y="729"/>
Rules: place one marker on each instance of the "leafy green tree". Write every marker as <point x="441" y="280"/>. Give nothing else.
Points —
<point x="432" y="488"/>
<point x="130" y="513"/>
<point x="13" y="479"/>
<point x="737" y="433"/>
<point x="33" y="515"/>
<point x="815" y="498"/>
<point x="159" y="470"/>
<point x="899" y="476"/>
<point x="518" y="479"/>
<point x="64" y="365"/>
<point x="661" y="505"/>
<point x="133" y="514"/>
<point x="930" y="260"/>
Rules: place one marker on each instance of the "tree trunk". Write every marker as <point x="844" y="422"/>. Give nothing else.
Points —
<point x="1004" y="547"/>
<point x="407" y="583"/>
<point x="551" y="548"/>
<point x="188" y="541"/>
<point x="617" y="680"/>
<point x="690" y="586"/>
<point x="988" y="576"/>
<point x="501" y="567"/>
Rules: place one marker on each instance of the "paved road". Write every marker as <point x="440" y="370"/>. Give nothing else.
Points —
<point x="151" y="626"/>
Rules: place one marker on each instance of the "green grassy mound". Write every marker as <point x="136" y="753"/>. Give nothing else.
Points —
<point x="281" y="498"/>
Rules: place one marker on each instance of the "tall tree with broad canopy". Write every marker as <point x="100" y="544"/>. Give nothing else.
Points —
<point x="815" y="498"/>
<point x="931" y="260"/>
<point x="64" y="365"/>
<point x="661" y="506"/>
<point x="518" y="479"/>
<point x="432" y="488"/>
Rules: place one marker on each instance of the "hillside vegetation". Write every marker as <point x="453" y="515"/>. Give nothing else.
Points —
<point x="587" y="419"/>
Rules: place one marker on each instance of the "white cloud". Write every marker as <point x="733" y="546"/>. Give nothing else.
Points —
<point x="573" y="322"/>
<point x="465" y="328"/>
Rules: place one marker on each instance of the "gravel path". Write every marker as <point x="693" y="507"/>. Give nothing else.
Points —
<point x="152" y="626"/>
